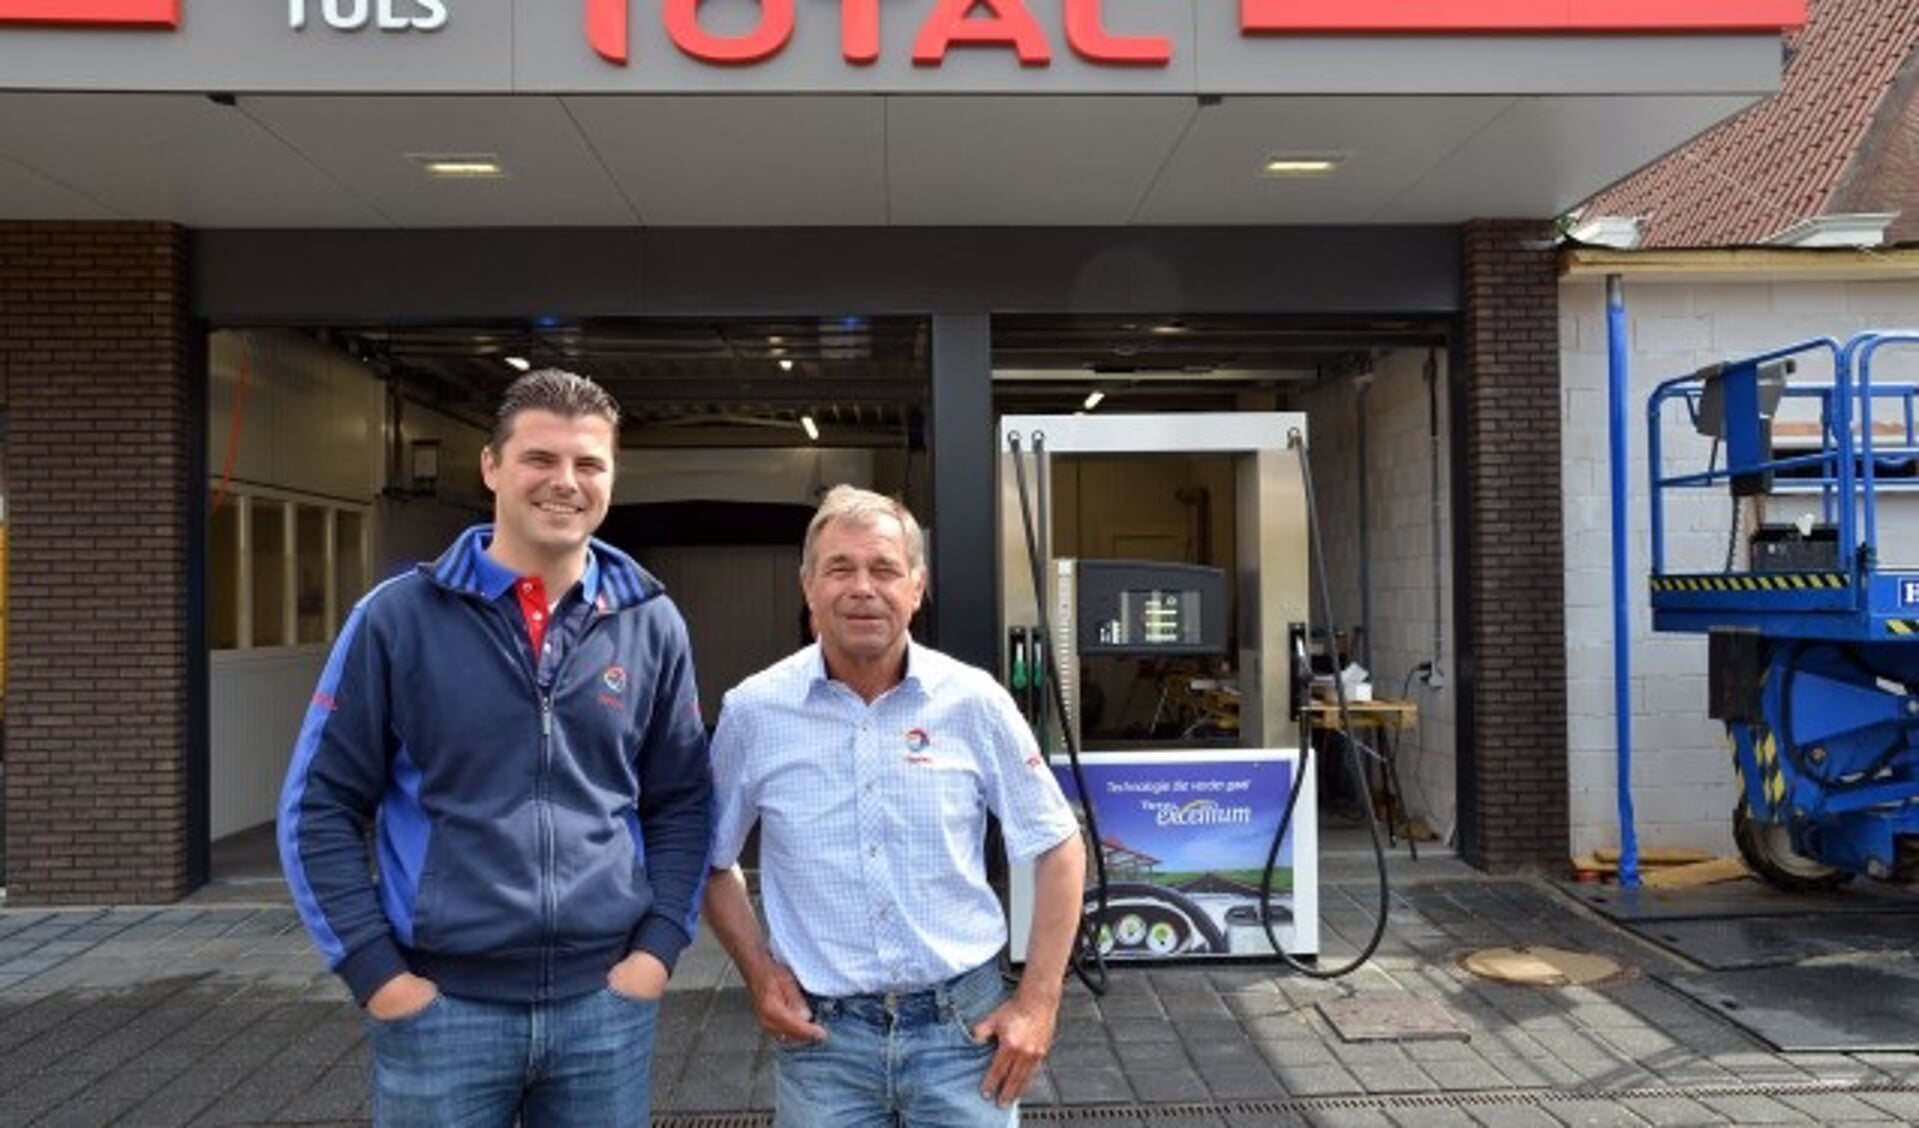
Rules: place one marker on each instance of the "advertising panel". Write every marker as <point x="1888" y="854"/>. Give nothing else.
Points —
<point x="1185" y="836"/>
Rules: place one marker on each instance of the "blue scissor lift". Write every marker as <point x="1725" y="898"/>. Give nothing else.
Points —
<point x="1814" y="645"/>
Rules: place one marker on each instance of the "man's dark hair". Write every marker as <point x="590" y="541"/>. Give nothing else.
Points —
<point x="566" y="394"/>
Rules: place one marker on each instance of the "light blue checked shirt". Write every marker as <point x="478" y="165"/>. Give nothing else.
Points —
<point x="871" y="817"/>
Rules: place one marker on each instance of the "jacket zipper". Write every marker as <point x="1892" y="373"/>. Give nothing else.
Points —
<point x="548" y="863"/>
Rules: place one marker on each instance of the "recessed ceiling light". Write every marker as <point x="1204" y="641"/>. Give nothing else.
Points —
<point x="812" y="428"/>
<point x="1302" y="164"/>
<point x="518" y="363"/>
<point x="1093" y="398"/>
<point x="786" y="365"/>
<point x="460" y="166"/>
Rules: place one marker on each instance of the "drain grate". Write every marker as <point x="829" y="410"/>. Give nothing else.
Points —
<point x="1150" y="1114"/>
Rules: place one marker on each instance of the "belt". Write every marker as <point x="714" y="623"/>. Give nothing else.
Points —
<point x="907" y="1007"/>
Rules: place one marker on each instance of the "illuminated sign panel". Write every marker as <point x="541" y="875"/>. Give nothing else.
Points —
<point x="952" y="23"/>
<point x="1467" y="16"/>
<point x="110" y="13"/>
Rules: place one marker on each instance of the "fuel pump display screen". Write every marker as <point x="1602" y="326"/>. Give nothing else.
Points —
<point x="1146" y="607"/>
<point x="1164" y="618"/>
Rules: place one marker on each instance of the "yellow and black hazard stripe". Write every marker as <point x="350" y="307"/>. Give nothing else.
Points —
<point x="1771" y="780"/>
<point x="1762" y="581"/>
<point x="1902" y="626"/>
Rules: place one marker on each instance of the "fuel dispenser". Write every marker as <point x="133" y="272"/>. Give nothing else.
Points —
<point x="1186" y="804"/>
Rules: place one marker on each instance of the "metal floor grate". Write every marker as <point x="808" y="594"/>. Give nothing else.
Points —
<point x="1149" y="1114"/>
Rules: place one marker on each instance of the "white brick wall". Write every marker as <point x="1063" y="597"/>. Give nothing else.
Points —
<point x="1401" y="570"/>
<point x="1683" y="785"/>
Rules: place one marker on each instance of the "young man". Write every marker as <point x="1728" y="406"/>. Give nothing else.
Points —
<point x="870" y="762"/>
<point x="518" y="722"/>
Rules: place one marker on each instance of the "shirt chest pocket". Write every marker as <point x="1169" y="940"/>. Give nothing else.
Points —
<point x="941" y="787"/>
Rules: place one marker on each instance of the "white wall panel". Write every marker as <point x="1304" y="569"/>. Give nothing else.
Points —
<point x="259" y="699"/>
<point x="1683" y="783"/>
<point x="1402" y="570"/>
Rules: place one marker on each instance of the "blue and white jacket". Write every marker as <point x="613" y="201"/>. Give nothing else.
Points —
<point x="527" y="839"/>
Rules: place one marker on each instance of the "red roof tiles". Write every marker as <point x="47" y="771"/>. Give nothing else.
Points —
<point x="1799" y="153"/>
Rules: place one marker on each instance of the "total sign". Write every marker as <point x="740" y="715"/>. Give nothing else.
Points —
<point x="1009" y="25"/>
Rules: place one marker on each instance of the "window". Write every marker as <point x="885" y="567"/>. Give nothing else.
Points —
<point x="282" y="570"/>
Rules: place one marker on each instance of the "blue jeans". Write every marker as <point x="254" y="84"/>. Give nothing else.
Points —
<point x="894" y="1059"/>
<point x="580" y="1061"/>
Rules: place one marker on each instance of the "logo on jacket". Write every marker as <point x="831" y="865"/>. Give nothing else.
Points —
<point x="614" y="679"/>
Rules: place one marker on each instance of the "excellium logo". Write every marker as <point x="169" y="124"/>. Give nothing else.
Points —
<point x="98" y="13"/>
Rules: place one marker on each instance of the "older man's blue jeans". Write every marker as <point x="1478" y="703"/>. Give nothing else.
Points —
<point x="895" y="1059"/>
<point x="462" y="1062"/>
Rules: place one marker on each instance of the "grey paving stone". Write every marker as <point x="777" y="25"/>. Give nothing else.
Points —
<point x="1295" y="1055"/>
<point x="1348" y="1118"/>
<point x="1465" y="1075"/>
<point x="1430" y="1118"/>
<point x="1093" y="1085"/>
<point x="1264" y="1120"/>
<point x="1294" y="1026"/>
<point x="1167" y="1086"/>
<point x="335" y="1095"/>
<point x="1082" y="1054"/>
<point x="1391" y="1077"/>
<point x="1754" y="1110"/>
<point x="1592" y="1114"/>
<point x="1900" y="1106"/>
<point x="1151" y="1055"/>
<point x="1141" y="1030"/>
<point x="1670" y="1112"/>
<point x="1513" y="1116"/>
<point x="39" y="1094"/>
<point x="1235" y="1081"/>
<point x="1316" y="1080"/>
<point x="1834" y="1108"/>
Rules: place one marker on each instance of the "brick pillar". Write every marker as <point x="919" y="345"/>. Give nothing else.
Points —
<point x="101" y="419"/>
<point x="1514" y="802"/>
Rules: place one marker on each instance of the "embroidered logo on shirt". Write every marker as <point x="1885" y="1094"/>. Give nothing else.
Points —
<point x="614" y="679"/>
<point x="917" y="741"/>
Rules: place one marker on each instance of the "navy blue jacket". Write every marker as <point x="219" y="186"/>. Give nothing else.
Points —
<point x="526" y="841"/>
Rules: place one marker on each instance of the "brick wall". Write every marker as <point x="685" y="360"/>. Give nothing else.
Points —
<point x="1514" y="635"/>
<point x="93" y="349"/>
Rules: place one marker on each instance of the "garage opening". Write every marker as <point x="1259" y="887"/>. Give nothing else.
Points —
<point x="340" y="455"/>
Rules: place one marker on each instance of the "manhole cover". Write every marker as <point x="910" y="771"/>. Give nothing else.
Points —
<point x="1543" y="967"/>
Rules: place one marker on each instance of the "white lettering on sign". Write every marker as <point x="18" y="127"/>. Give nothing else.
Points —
<point x="1909" y="593"/>
<point x="387" y="15"/>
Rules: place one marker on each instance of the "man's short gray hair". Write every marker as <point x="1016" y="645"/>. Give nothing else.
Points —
<point x="854" y="506"/>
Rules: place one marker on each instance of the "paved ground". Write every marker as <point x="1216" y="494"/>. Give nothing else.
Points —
<point x="217" y="1013"/>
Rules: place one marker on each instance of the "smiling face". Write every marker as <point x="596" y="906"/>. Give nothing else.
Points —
<point x="552" y="479"/>
<point x="862" y="592"/>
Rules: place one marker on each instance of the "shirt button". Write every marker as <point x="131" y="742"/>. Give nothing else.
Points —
<point x="872" y="851"/>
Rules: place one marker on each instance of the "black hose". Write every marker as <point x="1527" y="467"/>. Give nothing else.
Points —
<point x="1297" y="441"/>
<point x="1089" y="964"/>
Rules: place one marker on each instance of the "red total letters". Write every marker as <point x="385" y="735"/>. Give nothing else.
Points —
<point x="952" y="23"/>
